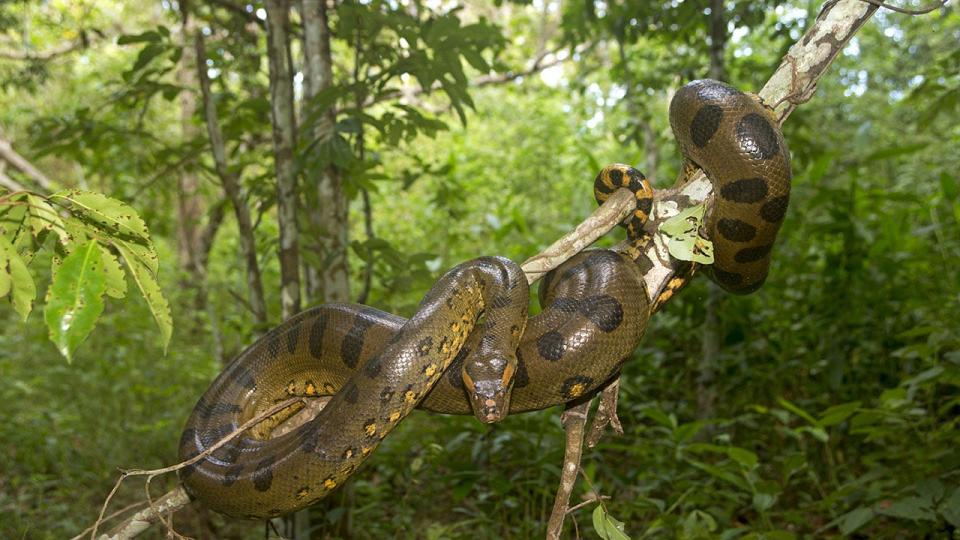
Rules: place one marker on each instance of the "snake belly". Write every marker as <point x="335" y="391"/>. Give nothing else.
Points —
<point x="738" y="144"/>
<point x="595" y="312"/>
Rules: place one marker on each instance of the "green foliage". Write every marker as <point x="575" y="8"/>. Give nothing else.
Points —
<point x="606" y="526"/>
<point x="75" y="298"/>
<point x="85" y="230"/>
<point x="685" y="242"/>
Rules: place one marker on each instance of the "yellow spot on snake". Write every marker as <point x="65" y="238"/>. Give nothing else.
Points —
<point x="576" y="390"/>
<point x="664" y="296"/>
<point x="291" y="388"/>
<point x="310" y="389"/>
<point x="675" y="283"/>
<point x="348" y="454"/>
<point x="302" y="494"/>
<point x="394" y="416"/>
<point x="366" y="450"/>
<point x="605" y="178"/>
<point x="430" y="370"/>
<point x="328" y="388"/>
<point x="371" y="429"/>
<point x="410" y="396"/>
<point x="329" y="483"/>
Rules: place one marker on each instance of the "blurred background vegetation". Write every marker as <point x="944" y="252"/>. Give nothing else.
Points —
<point x="462" y="129"/>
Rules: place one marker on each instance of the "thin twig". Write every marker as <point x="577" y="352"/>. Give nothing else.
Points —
<point x="111" y="516"/>
<point x="368" y="264"/>
<point x="921" y="11"/>
<point x="202" y="455"/>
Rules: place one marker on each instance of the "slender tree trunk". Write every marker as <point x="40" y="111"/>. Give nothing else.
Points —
<point x="710" y="350"/>
<point x="190" y="204"/>
<point x="231" y="185"/>
<point x="281" y="101"/>
<point x="328" y="281"/>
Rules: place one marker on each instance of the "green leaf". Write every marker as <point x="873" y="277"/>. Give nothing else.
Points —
<point x="149" y="36"/>
<point x="150" y="289"/>
<point x="913" y="508"/>
<point x="797" y="410"/>
<point x="75" y="298"/>
<point x="21" y="282"/>
<point x="950" y="508"/>
<point x="683" y="239"/>
<point x="851" y="521"/>
<point x="742" y="456"/>
<point x="719" y="473"/>
<point x="109" y="214"/>
<point x="44" y="217"/>
<point x="608" y="527"/>
<point x="5" y="278"/>
<point x="116" y="279"/>
<point x="838" y="413"/>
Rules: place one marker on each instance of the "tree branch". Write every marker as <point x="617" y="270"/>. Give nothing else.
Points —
<point x="231" y="185"/>
<point x="8" y="154"/>
<point x="26" y="55"/>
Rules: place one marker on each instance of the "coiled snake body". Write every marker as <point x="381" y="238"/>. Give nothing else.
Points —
<point x="470" y="347"/>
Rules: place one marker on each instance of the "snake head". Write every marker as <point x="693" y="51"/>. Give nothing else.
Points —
<point x="489" y="382"/>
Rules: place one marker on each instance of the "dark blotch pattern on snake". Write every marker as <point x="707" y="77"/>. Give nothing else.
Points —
<point x="738" y="144"/>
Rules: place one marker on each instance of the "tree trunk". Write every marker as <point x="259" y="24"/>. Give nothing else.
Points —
<point x="710" y="350"/>
<point x="327" y="281"/>
<point x="190" y="204"/>
<point x="231" y="185"/>
<point x="281" y="101"/>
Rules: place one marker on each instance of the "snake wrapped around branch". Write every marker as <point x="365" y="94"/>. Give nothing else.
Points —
<point x="470" y="347"/>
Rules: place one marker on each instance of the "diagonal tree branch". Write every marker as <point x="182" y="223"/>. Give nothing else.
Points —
<point x="22" y="164"/>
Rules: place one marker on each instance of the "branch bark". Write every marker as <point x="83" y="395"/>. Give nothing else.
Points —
<point x="329" y="280"/>
<point x="574" y="419"/>
<point x="284" y="141"/>
<point x="22" y="164"/>
<point x="190" y="202"/>
<point x="231" y="185"/>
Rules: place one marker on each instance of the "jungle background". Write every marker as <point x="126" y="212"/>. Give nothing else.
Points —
<point x="356" y="150"/>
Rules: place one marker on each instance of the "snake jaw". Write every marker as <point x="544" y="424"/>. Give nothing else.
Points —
<point x="491" y="401"/>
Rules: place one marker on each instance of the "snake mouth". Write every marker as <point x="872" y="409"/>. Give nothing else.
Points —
<point x="491" y="403"/>
<point x="492" y="411"/>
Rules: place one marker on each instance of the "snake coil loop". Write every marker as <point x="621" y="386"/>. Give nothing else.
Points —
<point x="470" y="348"/>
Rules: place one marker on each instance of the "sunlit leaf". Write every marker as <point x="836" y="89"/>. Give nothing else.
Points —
<point x="150" y="289"/>
<point x="75" y="298"/>
<point x="21" y="285"/>
<point x="110" y="214"/>
<point x="116" y="282"/>
<point x="684" y="241"/>
<point x="44" y="217"/>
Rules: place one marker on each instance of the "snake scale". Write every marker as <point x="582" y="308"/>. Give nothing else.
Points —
<point x="470" y="347"/>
